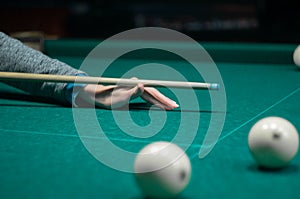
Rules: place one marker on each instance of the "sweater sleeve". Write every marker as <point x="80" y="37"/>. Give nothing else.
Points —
<point x="16" y="57"/>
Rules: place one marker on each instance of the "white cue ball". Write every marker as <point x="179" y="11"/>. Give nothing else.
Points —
<point x="296" y="56"/>
<point x="273" y="142"/>
<point x="162" y="170"/>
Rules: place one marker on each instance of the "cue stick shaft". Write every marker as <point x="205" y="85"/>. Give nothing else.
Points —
<point x="32" y="77"/>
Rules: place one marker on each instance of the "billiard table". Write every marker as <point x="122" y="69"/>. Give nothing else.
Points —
<point x="44" y="152"/>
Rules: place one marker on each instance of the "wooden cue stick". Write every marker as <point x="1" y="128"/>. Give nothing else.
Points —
<point x="32" y="77"/>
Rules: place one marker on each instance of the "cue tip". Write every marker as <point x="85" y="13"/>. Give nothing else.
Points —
<point x="214" y="86"/>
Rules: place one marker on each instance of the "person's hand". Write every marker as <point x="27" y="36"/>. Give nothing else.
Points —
<point x="155" y="97"/>
<point x="114" y="97"/>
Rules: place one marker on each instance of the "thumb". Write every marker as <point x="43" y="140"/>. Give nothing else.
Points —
<point x="136" y="91"/>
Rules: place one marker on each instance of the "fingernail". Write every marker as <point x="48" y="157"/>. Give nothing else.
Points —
<point x="176" y="105"/>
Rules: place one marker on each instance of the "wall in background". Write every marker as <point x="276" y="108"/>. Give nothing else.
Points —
<point x="206" y="20"/>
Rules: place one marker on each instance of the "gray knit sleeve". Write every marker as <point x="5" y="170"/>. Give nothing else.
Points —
<point x="16" y="57"/>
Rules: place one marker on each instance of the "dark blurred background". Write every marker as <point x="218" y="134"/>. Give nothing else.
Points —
<point x="203" y="20"/>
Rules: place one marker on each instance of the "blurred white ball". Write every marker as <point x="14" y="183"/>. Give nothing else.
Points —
<point x="162" y="170"/>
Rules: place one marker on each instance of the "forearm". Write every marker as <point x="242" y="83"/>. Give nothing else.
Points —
<point x="15" y="57"/>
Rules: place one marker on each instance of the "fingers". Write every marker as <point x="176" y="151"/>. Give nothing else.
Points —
<point x="135" y="92"/>
<point x="155" y="102"/>
<point x="153" y="96"/>
<point x="116" y="97"/>
<point x="120" y="96"/>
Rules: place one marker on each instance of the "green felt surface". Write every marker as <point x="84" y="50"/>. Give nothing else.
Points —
<point x="42" y="156"/>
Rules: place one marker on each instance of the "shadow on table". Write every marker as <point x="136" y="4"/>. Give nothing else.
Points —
<point x="147" y="106"/>
<point x="285" y="170"/>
